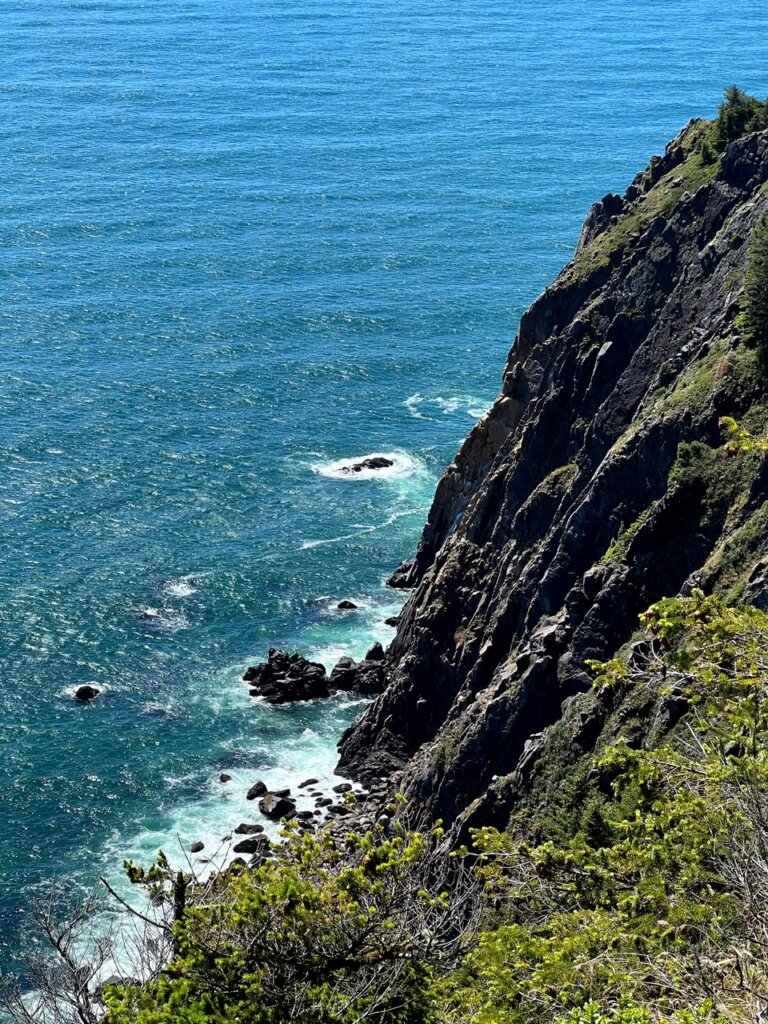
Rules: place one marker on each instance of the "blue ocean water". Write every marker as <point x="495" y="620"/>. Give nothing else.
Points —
<point x="241" y="241"/>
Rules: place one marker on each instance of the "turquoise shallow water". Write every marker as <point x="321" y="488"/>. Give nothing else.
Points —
<point x="240" y="242"/>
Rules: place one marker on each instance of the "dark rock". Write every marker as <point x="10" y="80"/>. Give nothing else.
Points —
<point x="124" y="981"/>
<point x="257" y="789"/>
<point x="280" y="792"/>
<point x="303" y="815"/>
<point x="347" y="606"/>
<point x="285" y="678"/>
<point x="324" y="801"/>
<point x="308" y="782"/>
<point x="197" y="847"/>
<point x="256" y="844"/>
<point x="86" y="693"/>
<point x="225" y="778"/>
<point x="404" y="576"/>
<point x="343" y="787"/>
<point x="339" y="810"/>
<point x="246" y="828"/>
<point x="374" y="462"/>
<point x="365" y="677"/>
<point x="393" y="620"/>
<point x="273" y="806"/>
<point x="376" y="653"/>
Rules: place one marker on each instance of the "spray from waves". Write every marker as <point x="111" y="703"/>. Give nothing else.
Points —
<point x="179" y="588"/>
<point x="169" y="620"/>
<point x="425" y="407"/>
<point x="403" y="465"/>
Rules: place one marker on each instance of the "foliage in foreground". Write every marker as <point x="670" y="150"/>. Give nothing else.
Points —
<point x="333" y="930"/>
<point x="658" y="908"/>
<point x="655" y="910"/>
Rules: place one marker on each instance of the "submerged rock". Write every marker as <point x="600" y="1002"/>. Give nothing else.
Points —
<point x="285" y="678"/>
<point x="347" y="606"/>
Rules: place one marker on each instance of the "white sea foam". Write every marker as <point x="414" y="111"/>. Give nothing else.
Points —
<point x="403" y="465"/>
<point x="179" y="588"/>
<point x="166" y="619"/>
<point x="423" y="407"/>
<point x="362" y="530"/>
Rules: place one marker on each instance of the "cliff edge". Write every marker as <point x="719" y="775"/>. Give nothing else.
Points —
<point x="589" y="490"/>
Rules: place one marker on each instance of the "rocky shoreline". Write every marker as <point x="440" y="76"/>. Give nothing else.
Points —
<point x="291" y="678"/>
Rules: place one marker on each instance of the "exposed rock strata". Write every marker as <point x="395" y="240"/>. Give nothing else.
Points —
<point x="561" y="517"/>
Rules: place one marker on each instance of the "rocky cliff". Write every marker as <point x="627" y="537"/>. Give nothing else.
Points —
<point x="592" y="487"/>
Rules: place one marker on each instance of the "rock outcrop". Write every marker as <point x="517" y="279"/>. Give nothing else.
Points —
<point x="591" y="488"/>
<point x="286" y="678"/>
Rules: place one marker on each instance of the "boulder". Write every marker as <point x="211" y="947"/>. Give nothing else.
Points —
<point x="280" y="792"/>
<point x="376" y="653"/>
<point x="365" y="677"/>
<point x="225" y="778"/>
<point x="308" y="782"/>
<point x="343" y="787"/>
<point x="247" y="828"/>
<point x="373" y="462"/>
<point x="403" y="578"/>
<point x="346" y="606"/>
<point x="257" y="789"/>
<point x="255" y="844"/>
<point x="86" y="693"/>
<point x="304" y="815"/>
<point x="393" y="620"/>
<point x="197" y="847"/>
<point x="275" y="807"/>
<point x="285" y="678"/>
<point x="340" y="810"/>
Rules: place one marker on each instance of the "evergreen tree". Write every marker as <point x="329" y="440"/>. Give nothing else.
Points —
<point x="754" y="316"/>
<point x="737" y="115"/>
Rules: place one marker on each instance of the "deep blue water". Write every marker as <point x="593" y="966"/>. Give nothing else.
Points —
<point x="241" y="241"/>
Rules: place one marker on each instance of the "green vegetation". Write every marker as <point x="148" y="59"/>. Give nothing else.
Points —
<point x="647" y="912"/>
<point x="695" y="170"/>
<point x="618" y="547"/>
<point x="739" y="114"/>
<point x="640" y="897"/>
<point x="702" y="147"/>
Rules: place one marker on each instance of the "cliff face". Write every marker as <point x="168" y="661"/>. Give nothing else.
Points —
<point x="589" y="490"/>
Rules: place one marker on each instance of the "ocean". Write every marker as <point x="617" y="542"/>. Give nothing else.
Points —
<point x="241" y="244"/>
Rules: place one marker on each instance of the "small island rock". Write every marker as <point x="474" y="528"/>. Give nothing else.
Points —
<point x="86" y="693"/>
